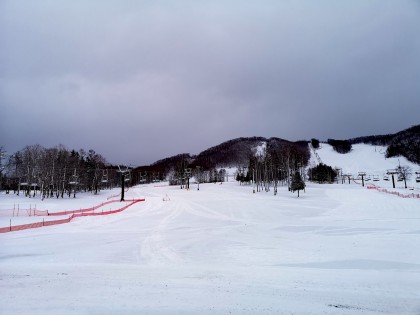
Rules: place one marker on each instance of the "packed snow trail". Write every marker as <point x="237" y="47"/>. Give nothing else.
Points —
<point x="338" y="249"/>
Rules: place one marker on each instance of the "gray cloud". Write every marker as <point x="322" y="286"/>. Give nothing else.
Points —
<point x="141" y="80"/>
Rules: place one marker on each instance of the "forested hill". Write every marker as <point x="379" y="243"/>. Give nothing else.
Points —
<point x="237" y="152"/>
<point x="404" y="143"/>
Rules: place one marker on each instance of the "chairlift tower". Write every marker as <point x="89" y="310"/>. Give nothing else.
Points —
<point x="344" y="178"/>
<point x="253" y="181"/>
<point x="362" y="174"/>
<point x="123" y="170"/>
<point x="392" y="173"/>
<point x="187" y="175"/>
<point x="34" y="180"/>
<point x="198" y="177"/>
<point x="2" y="155"/>
<point x="339" y="173"/>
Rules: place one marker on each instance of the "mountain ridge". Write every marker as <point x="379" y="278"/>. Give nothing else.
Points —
<point x="237" y="151"/>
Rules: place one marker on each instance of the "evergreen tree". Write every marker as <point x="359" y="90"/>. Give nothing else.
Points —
<point x="340" y="146"/>
<point x="297" y="183"/>
<point x="315" y="143"/>
<point x="322" y="173"/>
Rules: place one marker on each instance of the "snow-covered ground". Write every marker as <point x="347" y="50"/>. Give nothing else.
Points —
<point x="338" y="249"/>
<point x="366" y="158"/>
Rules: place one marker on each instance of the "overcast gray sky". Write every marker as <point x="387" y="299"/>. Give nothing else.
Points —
<point x="138" y="81"/>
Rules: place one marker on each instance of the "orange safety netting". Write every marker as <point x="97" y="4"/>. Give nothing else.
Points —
<point x="396" y="193"/>
<point x="17" y="212"/>
<point x="91" y="209"/>
<point x="74" y="214"/>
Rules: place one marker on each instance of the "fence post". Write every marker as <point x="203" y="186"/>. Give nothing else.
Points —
<point x="10" y="226"/>
<point x="42" y="221"/>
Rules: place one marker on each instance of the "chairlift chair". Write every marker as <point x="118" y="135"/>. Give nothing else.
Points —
<point x="376" y="178"/>
<point x="127" y="177"/>
<point x="386" y="177"/>
<point x="73" y="178"/>
<point x="104" y="176"/>
<point x="391" y="171"/>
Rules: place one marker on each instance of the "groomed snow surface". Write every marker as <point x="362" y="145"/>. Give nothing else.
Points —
<point x="338" y="249"/>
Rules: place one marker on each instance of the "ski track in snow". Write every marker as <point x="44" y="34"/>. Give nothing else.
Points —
<point x="154" y="248"/>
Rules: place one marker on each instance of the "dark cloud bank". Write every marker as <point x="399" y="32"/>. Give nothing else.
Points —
<point x="141" y="80"/>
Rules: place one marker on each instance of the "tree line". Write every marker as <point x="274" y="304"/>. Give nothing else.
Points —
<point x="56" y="172"/>
<point x="277" y="166"/>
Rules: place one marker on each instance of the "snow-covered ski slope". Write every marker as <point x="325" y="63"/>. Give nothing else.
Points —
<point x="338" y="249"/>
<point x="363" y="158"/>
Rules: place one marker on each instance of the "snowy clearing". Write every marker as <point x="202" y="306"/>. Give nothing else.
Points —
<point x="338" y="249"/>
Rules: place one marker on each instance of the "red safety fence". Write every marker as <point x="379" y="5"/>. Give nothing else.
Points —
<point x="17" y="212"/>
<point x="395" y="193"/>
<point x="91" y="209"/>
<point x="73" y="215"/>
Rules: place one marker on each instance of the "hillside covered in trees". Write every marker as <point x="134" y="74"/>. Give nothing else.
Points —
<point x="237" y="152"/>
<point x="257" y="153"/>
<point x="54" y="169"/>
<point x="404" y="143"/>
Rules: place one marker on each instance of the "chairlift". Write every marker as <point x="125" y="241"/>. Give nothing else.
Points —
<point x="127" y="177"/>
<point x="376" y="178"/>
<point x="156" y="177"/>
<point x="73" y="178"/>
<point x="400" y="178"/>
<point x="386" y="177"/>
<point x="143" y="177"/>
<point x="104" y="176"/>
